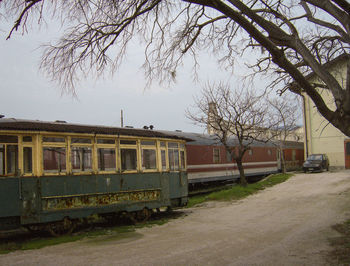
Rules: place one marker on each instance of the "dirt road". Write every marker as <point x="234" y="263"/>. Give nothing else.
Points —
<point x="288" y="224"/>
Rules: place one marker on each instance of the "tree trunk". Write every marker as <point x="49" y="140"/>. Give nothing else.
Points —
<point x="242" y="179"/>
<point x="283" y="162"/>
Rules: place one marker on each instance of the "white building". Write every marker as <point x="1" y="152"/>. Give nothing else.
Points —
<point x="320" y="135"/>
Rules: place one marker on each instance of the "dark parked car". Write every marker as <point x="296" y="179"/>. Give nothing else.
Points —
<point x="316" y="162"/>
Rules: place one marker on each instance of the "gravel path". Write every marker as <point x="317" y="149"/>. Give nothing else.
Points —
<point x="288" y="224"/>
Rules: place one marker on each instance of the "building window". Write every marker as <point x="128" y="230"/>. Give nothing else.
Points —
<point x="216" y="155"/>
<point x="250" y="152"/>
<point x="269" y="152"/>
<point x="347" y="148"/>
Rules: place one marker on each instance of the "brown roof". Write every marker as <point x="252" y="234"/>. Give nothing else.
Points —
<point x="61" y="126"/>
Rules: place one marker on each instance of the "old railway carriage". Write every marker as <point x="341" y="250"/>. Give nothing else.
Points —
<point x="53" y="173"/>
<point x="208" y="161"/>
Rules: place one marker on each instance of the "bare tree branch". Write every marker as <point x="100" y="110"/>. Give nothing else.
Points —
<point x="240" y="115"/>
<point x="294" y="39"/>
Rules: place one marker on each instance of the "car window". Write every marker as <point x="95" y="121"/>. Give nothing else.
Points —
<point x="314" y="157"/>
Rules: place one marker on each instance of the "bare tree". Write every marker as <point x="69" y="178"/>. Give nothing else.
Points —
<point x="240" y="114"/>
<point x="294" y="38"/>
<point x="287" y="108"/>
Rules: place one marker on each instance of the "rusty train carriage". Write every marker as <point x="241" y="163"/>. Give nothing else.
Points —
<point x="51" y="172"/>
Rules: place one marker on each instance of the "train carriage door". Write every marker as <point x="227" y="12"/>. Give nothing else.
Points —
<point x="8" y="155"/>
<point x="2" y="159"/>
<point x="9" y="189"/>
<point x="347" y="154"/>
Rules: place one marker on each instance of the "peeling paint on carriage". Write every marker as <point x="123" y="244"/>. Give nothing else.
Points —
<point x="82" y="201"/>
<point x="62" y="172"/>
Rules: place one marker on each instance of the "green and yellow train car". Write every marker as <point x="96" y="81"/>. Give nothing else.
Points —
<point x="54" y="173"/>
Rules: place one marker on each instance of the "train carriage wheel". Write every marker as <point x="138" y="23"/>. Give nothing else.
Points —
<point x="143" y="215"/>
<point x="35" y="228"/>
<point x="139" y="216"/>
<point x="64" y="227"/>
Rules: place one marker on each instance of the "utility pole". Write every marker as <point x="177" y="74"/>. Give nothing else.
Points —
<point x="121" y="118"/>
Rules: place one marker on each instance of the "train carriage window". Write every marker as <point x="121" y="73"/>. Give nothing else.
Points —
<point x="149" y="159"/>
<point x="176" y="161"/>
<point x="173" y="155"/>
<point x="2" y="159"/>
<point x="216" y="155"/>
<point x="148" y="142"/>
<point x="81" y="140"/>
<point x="182" y="158"/>
<point x="106" y="159"/>
<point x="163" y="157"/>
<point x="54" y="159"/>
<point x="173" y="145"/>
<point x="27" y="139"/>
<point x="8" y="159"/>
<point x="27" y="160"/>
<point x="105" y="141"/>
<point x="54" y="139"/>
<point x="8" y="139"/>
<point x="148" y="154"/>
<point x="12" y="159"/>
<point x="228" y="156"/>
<point x="128" y="159"/>
<point x="81" y="159"/>
<point x="128" y="142"/>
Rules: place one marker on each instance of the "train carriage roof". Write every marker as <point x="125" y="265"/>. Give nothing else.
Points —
<point x="63" y="127"/>
<point x="206" y="139"/>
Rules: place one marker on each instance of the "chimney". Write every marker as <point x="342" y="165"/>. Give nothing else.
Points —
<point x="212" y="113"/>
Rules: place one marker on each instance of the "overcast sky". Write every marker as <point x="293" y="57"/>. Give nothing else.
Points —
<point x="26" y="93"/>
